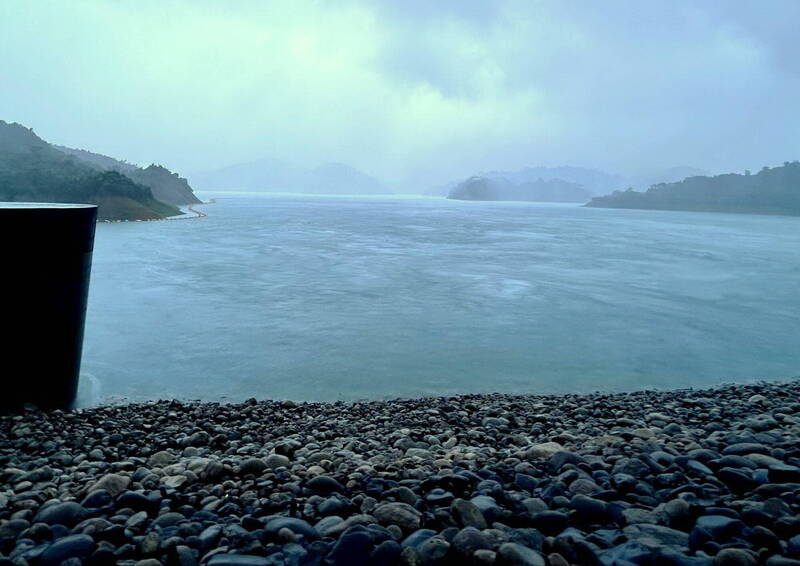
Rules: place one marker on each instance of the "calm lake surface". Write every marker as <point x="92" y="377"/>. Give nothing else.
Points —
<point x="327" y="298"/>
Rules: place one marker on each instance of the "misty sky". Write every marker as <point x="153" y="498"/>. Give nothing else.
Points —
<point x="415" y="92"/>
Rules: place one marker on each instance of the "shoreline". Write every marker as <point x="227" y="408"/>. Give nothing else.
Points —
<point x="185" y="216"/>
<point x="198" y="213"/>
<point x="121" y="401"/>
<point x="692" y="477"/>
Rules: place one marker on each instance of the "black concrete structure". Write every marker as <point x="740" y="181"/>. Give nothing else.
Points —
<point x="45" y="261"/>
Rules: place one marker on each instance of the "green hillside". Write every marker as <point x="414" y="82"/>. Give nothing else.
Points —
<point x="770" y="191"/>
<point x="31" y="170"/>
<point x="166" y="186"/>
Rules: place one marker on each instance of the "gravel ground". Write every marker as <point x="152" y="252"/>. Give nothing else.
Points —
<point x="694" y="477"/>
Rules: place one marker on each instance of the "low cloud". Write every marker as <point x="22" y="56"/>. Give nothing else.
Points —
<point x="413" y="92"/>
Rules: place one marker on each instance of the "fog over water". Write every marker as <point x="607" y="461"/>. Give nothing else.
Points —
<point x="315" y="298"/>
<point x="415" y="93"/>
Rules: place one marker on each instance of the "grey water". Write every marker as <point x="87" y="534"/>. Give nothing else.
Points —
<point x="344" y="298"/>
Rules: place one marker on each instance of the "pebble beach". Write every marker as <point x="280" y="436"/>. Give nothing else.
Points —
<point x="690" y="477"/>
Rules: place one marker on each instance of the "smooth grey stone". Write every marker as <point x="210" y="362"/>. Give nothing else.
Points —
<point x="466" y="514"/>
<point x="515" y="554"/>
<point x="73" y="546"/>
<point x="68" y="513"/>
<point x="229" y="559"/>
<point x="297" y="526"/>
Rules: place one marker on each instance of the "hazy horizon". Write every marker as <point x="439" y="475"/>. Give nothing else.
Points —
<point x="415" y="95"/>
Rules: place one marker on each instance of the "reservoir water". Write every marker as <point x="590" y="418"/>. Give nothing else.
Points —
<point x="328" y="298"/>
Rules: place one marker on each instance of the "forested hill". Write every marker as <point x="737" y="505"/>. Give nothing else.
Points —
<point x="32" y="170"/>
<point x="166" y="185"/>
<point x="770" y="191"/>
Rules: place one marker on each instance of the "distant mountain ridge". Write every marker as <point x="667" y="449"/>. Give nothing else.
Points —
<point x="273" y="175"/>
<point x="501" y="189"/>
<point x="593" y="180"/>
<point x="771" y="191"/>
<point x="33" y="170"/>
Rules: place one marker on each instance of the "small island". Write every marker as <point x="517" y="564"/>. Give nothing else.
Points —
<point x="33" y="170"/>
<point x="538" y="190"/>
<point x="770" y="191"/>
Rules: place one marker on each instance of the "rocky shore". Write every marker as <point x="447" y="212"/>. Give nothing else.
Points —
<point x="694" y="477"/>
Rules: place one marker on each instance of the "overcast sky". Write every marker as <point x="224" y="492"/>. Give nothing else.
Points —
<point x="412" y="91"/>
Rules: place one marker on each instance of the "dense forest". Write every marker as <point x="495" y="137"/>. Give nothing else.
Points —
<point x="167" y="186"/>
<point x="32" y="170"/>
<point x="770" y="191"/>
<point x="501" y="189"/>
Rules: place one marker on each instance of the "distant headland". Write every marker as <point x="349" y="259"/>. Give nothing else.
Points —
<point x="773" y="190"/>
<point x="34" y="170"/>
